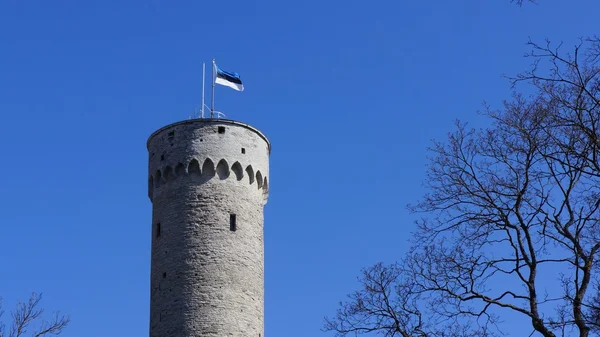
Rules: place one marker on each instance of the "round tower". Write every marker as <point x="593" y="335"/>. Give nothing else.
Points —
<point x="208" y="183"/>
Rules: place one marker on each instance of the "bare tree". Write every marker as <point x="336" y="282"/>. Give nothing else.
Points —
<point x="28" y="317"/>
<point x="511" y="220"/>
<point x="570" y="83"/>
<point x="386" y="303"/>
<point x="389" y="303"/>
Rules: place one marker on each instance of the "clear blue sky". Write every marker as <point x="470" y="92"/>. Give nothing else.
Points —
<point x="349" y="93"/>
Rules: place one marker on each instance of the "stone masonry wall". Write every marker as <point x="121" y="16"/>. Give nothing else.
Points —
<point x="206" y="276"/>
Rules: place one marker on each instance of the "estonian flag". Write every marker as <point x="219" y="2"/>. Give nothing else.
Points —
<point x="228" y="79"/>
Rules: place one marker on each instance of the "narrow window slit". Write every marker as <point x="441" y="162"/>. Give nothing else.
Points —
<point x="232" y="223"/>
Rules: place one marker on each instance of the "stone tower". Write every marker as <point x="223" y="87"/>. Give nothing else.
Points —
<point x="208" y="183"/>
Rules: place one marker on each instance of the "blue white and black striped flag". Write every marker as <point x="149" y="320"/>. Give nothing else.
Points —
<point x="229" y="79"/>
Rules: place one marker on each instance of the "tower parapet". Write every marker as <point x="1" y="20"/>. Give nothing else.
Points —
<point x="208" y="182"/>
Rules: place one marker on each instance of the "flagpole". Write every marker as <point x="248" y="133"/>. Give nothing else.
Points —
<point x="203" y="80"/>
<point x="212" y="104"/>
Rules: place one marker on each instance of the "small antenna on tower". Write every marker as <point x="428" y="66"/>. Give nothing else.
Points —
<point x="198" y="111"/>
<point x="203" y="80"/>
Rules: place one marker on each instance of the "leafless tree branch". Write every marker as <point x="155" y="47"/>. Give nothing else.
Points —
<point x="28" y="316"/>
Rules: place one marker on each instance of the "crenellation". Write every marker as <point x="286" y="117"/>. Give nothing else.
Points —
<point x="222" y="170"/>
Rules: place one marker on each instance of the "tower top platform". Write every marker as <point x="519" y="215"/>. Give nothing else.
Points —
<point x="208" y="121"/>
